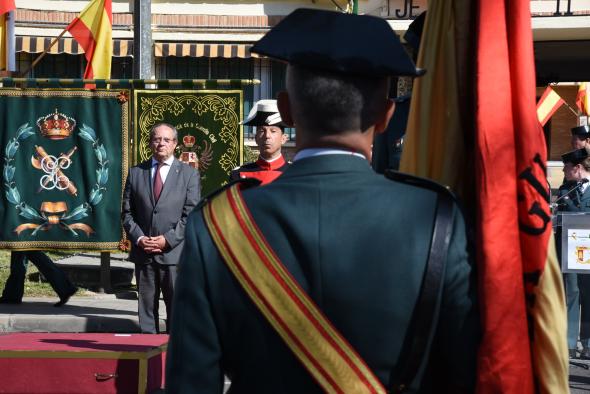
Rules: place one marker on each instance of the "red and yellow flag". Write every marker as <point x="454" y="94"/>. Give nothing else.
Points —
<point x="6" y="5"/>
<point x="549" y="102"/>
<point x="93" y="31"/>
<point x="494" y="137"/>
<point x="524" y="346"/>
<point x="435" y="131"/>
<point x="583" y="99"/>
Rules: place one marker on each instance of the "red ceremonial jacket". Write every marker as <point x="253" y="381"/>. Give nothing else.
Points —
<point x="261" y="169"/>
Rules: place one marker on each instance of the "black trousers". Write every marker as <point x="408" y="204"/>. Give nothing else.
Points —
<point x="151" y="279"/>
<point x="15" y="284"/>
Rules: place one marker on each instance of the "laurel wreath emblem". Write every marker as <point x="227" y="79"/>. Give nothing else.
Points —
<point x="81" y="211"/>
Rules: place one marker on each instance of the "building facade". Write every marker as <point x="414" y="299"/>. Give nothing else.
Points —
<point x="194" y="40"/>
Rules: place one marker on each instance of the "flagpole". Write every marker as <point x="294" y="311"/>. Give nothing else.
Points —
<point x="564" y="102"/>
<point x="570" y="108"/>
<point x="38" y="59"/>
<point x="10" y="42"/>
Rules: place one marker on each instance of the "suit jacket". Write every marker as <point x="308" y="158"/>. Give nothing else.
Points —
<point x="142" y="216"/>
<point x="357" y="243"/>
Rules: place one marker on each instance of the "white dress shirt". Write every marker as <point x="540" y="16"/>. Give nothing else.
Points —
<point x="164" y="170"/>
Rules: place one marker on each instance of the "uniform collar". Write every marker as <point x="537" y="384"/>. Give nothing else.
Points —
<point x="312" y="152"/>
<point x="271" y="165"/>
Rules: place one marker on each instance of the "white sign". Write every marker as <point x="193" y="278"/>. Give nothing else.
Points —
<point x="578" y="249"/>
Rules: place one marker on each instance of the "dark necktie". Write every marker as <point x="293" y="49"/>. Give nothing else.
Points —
<point x="158" y="184"/>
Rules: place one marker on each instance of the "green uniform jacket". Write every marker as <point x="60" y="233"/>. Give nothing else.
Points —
<point x="357" y="243"/>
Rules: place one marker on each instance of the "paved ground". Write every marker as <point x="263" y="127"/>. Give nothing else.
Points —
<point x="579" y="377"/>
<point x="100" y="313"/>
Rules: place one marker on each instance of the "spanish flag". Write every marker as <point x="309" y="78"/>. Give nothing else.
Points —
<point x="549" y="102"/>
<point x="6" y="5"/>
<point x="524" y="346"/>
<point x="435" y="145"/>
<point x="583" y="99"/>
<point x="480" y="135"/>
<point x="93" y="31"/>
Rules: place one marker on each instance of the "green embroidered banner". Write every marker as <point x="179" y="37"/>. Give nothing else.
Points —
<point x="65" y="158"/>
<point x="208" y="124"/>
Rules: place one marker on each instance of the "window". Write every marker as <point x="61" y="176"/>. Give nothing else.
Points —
<point x="51" y="66"/>
<point x="68" y="66"/>
<point x="122" y="67"/>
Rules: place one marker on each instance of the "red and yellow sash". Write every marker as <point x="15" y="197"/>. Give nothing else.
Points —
<point x="329" y="358"/>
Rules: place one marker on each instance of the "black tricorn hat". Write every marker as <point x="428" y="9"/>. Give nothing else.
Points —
<point x="582" y="131"/>
<point x="575" y="157"/>
<point x="413" y="35"/>
<point x="333" y="41"/>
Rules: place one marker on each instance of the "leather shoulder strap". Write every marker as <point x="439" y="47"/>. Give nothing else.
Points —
<point x="425" y="310"/>
<point x="312" y="338"/>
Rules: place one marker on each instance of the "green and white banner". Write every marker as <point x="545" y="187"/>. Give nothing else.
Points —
<point x="65" y="159"/>
<point x="208" y="124"/>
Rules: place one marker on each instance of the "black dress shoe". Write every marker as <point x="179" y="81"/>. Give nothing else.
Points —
<point x="585" y="354"/>
<point x="572" y="353"/>
<point x="9" y="301"/>
<point x="63" y="300"/>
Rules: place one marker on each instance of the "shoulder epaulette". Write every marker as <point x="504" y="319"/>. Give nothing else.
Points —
<point x="419" y="182"/>
<point x="245" y="183"/>
<point x="246" y="166"/>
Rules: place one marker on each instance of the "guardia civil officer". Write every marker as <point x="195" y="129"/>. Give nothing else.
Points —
<point x="580" y="137"/>
<point x="327" y="279"/>
<point x="270" y="137"/>
<point x="574" y="196"/>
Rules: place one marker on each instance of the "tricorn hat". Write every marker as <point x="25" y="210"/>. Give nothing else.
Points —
<point x="575" y="157"/>
<point x="264" y="113"/>
<point x="337" y="42"/>
<point x="582" y="131"/>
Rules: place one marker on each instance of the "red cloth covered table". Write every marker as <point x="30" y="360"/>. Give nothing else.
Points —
<point x="81" y="363"/>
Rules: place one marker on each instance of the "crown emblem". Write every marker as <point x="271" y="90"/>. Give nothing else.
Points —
<point x="188" y="140"/>
<point x="56" y="126"/>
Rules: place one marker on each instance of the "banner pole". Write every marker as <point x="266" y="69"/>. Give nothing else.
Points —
<point x="69" y="81"/>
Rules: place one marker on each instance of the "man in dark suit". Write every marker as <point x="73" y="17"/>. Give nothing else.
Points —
<point x="159" y="194"/>
<point x="574" y="196"/>
<point x="356" y="243"/>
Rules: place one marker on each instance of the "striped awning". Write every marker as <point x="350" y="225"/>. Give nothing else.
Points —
<point x="121" y="48"/>
<point x="164" y="49"/>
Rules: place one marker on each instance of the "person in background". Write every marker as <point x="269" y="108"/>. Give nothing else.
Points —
<point x="270" y="137"/>
<point x="580" y="137"/>
<point x="14" y="288"/>
<point x="574" y="196"/>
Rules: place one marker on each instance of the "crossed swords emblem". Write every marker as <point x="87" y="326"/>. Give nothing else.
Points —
<point x="53" y="167"/>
